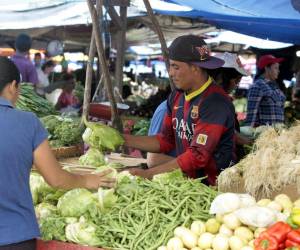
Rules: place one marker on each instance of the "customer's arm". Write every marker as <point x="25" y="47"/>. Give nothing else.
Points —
<point x="55" y="176"/>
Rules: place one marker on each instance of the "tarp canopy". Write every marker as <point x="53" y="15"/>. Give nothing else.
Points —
<point x="277" y="20"/>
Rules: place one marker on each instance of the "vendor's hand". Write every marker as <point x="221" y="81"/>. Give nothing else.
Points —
<point x="141" y="172"/>
<point x="94" y="181"/>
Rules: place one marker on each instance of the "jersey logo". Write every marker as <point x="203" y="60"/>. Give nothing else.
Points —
<point x="177" y="107"/>
<point x="195" y="112"/>
<point x="201" y="139"/>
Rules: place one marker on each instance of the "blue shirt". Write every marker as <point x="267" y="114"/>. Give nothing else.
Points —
<point x="20" y="134"/>
<point x="157" y="121"/>
<point x="265" y="104"/>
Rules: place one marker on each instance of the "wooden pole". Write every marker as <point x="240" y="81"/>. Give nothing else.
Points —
<point x="161" y="38"/>
<point x="89" y="72"/>
<point x="121" y="40"/>
<point x="116" y="121"/>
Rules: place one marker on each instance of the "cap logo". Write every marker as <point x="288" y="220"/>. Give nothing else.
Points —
<point x="203" y="52"/>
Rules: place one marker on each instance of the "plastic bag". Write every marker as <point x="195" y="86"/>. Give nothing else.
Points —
<point x="256" y="216"/>
<point x="225" y="203"/>
<point x="247" y="200"/>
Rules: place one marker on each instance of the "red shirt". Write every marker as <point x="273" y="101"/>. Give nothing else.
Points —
<point x="66" y="99"/>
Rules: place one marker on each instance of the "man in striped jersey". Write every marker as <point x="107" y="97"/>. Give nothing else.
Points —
<point x="200" y="116"/>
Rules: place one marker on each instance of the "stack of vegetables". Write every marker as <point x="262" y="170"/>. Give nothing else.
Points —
<point x="62" y="131"/>
<point x="273" y="164"/>
<point x="30" y="101"/>
<point x="241" y="223"/>
<point x="99" y="137"/>
<point x="279" y="236"/>
<point x="139" y="214"/>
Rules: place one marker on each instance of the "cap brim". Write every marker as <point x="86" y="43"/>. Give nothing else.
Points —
<point x="211" y="63"/>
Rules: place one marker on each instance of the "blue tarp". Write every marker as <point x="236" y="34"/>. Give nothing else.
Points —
<point x="277" y="20"/>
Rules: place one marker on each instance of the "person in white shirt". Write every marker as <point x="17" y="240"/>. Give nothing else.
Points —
<point x="43" y="76"/>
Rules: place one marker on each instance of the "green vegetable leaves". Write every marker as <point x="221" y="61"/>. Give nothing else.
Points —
<point x="100" y="136"/>
<point x="93" y="157"/>
<point x="75" y="202"/>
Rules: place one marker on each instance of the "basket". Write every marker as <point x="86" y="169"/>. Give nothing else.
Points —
<point x="66" y="152"/>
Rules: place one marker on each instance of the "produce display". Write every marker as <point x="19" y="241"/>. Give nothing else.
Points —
<point x="241" y="223"/>
<point x="138" y="214"/>
<point x="29" y="100"/>
<point x="63" y="131"/>
<point x="273" y="164"/>
<point x="79" y="92"/>
<point x="141" y="127"/>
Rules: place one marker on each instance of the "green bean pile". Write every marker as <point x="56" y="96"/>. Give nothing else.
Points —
<point x="30" y="101"/>
<point x="147" y="212"/>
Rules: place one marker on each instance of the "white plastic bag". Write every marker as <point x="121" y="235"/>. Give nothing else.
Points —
<point x="256" y="216"/>
<point x="225" y="203"/>
<point x="247" y="200"/>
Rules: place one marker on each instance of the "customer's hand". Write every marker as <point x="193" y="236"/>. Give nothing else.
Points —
<point x="101" y="179"/>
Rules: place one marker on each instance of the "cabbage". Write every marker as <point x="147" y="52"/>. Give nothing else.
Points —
<point x="44" y="210"/>
<point x="93" y="157"/>
<point x="113" y="173"/>
<point x="82" y="232"/>
<point x="106" y="198"/>
<point x="76" y="202"/>
<point x="38" y="187"/>
<point x="115" y="165"/>
<point x="169" y="176"/>
<point x="100" y="136"/>
<point x="53" y="228"/>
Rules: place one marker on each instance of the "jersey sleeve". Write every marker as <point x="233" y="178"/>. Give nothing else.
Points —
<point x="216" y="117"/>
<point x="166" y="136"/>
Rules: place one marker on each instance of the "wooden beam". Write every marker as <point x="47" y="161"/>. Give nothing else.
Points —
<point x="114" y="16"/>
<point x="116" y="120"/>
<point x="89" y="71"/>
<point x="121" y="41"/>
<point x="161" y="38"/>
<point x="121" y="3"/>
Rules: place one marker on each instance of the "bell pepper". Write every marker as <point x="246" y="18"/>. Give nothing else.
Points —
<point x="291" y="223"/>
<point x="293" y="239"/>
<point x="295" y="216"/>
<point x="280" y="231"/>
<point x="292" y="248"/>
<point x="266" y="242"/>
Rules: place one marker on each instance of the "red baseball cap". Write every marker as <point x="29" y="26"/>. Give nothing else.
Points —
<point x="267" y="60"/>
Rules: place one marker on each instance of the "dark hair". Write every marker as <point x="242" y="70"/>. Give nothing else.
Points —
<point x="227" y="75"/>
<point x="38" y="54"/>
<point x="259" y="73"/>
<point x="224" y="75"/>
<point x="8" y="72"/>
<point x="23" y="43"/>
<point x="48" y="64"/>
